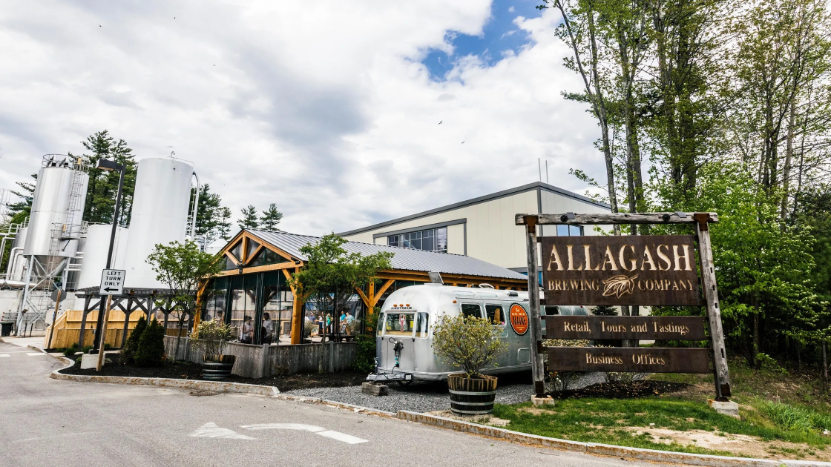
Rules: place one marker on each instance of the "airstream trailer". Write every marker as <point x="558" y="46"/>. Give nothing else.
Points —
<point x="405" y="329"/>
<point x="404" y="338"/>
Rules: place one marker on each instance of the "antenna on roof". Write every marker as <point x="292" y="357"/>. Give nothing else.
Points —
<point x="546" y="171"/>
<point x="539" y="166"/>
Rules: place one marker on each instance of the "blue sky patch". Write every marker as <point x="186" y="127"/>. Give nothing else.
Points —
<point x="499" y="36"/>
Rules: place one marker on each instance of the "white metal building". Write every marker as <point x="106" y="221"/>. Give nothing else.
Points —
<point x="483" y="227"/>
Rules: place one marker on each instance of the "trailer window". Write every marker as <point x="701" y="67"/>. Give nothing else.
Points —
<point x="398" y="324"/>
<point x="496" y="315"/>
<point x="470" y="309"/>
<point x="422" y="324"/>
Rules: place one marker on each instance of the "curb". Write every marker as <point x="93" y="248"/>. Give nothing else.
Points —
<point x="337" y="405"/>
<point x="598" y="449"/>
<point x="238" y="388"/>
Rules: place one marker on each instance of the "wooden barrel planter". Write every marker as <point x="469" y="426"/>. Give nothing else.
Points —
<point x="471" y="396"/>
<point x="217" y="371"/>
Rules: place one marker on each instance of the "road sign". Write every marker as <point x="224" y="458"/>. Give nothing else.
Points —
<point x="112" y="282"/>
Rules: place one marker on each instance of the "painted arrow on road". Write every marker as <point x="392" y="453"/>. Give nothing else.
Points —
<point x="336" y="435"/>
<point x="211" y="430"/>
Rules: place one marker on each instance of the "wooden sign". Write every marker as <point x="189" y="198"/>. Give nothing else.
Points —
<point x="687" y="328"/>
<point x="642" y="360"/>
<point x="624" y="270"/>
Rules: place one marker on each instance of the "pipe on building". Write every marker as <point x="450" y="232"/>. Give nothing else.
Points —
<point x="195" y="206"/>
<point x="12" y="261"/>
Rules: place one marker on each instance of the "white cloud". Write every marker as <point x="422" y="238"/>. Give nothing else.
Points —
<point x="321" y="107"/>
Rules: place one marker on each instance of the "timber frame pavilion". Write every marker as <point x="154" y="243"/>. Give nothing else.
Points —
<point x="259" y="265"/>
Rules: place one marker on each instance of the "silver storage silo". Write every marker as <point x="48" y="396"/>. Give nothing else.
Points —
<point x="94" y="246"/>
<point x="57" y="208"/>
<point x="159" y="215"/>
<point x="14" y="268"/>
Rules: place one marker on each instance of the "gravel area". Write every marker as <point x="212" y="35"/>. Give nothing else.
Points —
<point x="429" y="397"/>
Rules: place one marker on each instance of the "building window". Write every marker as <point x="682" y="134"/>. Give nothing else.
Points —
<point x="427" y="240"/>
<point x="569" y="231"/>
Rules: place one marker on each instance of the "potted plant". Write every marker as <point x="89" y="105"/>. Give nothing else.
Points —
<point x="469" y="343"/>
<point x="211" y="336"/>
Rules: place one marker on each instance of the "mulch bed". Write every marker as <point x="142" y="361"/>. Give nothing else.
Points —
<point x="185" y="370"/>
<point x="622" y="390"/>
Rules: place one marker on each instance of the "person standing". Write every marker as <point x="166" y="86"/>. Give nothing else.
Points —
<point x="247" y="332"/>
<point x="268" y="329"/>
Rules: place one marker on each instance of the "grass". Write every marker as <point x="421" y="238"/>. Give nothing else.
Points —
<point x="791" y="409"/>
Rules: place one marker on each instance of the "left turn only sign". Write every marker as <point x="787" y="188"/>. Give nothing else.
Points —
<point x="112" y="282"/>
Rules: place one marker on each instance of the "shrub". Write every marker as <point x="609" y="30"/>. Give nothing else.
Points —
<point x="365" y="355"/>
<point x="71" y="350"/>
<point x="211" y="337"/>
<point x="128" y="354"/>
<point x="150" y="350"/>
<point x="469" y="343"/>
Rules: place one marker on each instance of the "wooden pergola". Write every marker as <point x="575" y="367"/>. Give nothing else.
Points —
<point x="293" y="264"/>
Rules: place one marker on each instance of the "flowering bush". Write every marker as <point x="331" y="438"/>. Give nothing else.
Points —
<point x="211" y="336"/>
<point x="468" y="343"/>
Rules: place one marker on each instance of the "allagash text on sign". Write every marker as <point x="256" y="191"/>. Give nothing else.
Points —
<point x="625" y="270"/>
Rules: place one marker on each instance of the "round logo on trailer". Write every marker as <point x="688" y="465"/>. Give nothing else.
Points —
<point x="519" y="319"/>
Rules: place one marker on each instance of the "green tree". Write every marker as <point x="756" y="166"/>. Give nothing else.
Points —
<point x="468" y="343"/>
<point x="249" y="218"/>
<point x="271" y="217"/>
<point x="210" y="215"/>
<point x="103" y="185"/>
<point x="332" y="274"/>
<point x="150" y="351"/>
<point x="182" y="267"/>
<point x="128" y="354"/>
<point x="223" y="226"/>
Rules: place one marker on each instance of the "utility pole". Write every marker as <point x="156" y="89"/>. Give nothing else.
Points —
<point x="104" y="164"/>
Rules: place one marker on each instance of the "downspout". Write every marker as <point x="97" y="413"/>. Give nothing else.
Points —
<point x="195" y="206"/>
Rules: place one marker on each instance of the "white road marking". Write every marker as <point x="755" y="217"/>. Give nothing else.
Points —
<point x="35" y="354"/>
<point x="336" y="435"/>
<point x="349" y="439"/>
<point x="211" y="430"/>
<point x="4" y="355"/>
<point x="283" y="426"/>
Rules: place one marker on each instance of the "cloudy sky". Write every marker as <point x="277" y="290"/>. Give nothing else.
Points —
<point x="329" y="109"/>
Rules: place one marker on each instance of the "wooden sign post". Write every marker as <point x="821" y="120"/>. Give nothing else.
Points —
<point x="627" y="270"/>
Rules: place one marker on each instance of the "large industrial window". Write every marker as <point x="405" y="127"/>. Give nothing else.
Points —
<point x="569" y="231"/>
<point x="427" y="240"/>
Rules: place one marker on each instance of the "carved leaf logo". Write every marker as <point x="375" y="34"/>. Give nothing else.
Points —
<point x="619" y="285"/>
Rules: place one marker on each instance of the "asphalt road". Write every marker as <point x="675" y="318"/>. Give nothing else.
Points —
<point x="44" y="422"/>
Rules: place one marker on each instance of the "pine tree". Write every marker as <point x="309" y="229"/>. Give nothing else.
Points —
<point x="223" y="226"/>
<point x="103" y="185"/>
<point x="211" y="217"/>
<point x="271" y="217"/>
<point x="249" y="218"/>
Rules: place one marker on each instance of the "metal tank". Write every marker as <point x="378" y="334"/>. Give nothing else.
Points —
<point x="94" y="247"/>
<point x="57" y="208"/>
<point x="159" y="215"/>
<point x="14" y="268"/>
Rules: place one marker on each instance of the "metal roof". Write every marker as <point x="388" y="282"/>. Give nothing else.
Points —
<point x="403" y="259"/>
<point x="477" y="200"/>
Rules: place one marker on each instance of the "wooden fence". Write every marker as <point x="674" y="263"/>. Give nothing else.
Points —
<point x="258" y="361"/>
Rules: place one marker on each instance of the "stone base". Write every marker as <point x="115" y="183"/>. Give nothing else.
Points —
<point x="726" y="408"/>
<point x="375" y="389"/>
<point x="88" y="361"/>
<point x="538" y="401"/>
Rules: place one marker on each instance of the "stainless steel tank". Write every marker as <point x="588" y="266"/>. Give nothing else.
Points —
<point x="159" y="215"/>
<point x="57" y="209"/>
<point x="94" y="247"/>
